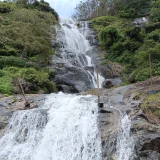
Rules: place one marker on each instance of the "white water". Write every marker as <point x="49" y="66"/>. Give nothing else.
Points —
<point x="76" y="41"/>
<point x="64" y="128"/>
<point x="85" y="31"/>
<point x="125" y="144"/>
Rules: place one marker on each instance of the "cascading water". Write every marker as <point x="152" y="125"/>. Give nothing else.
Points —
<point x="125" y="144"/>
<point x="64" y="128"/>
<point x="77" y="69"/>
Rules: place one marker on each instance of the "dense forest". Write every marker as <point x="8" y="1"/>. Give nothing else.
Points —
<point x="123" y="41"/>
<point x="26" y="29"/>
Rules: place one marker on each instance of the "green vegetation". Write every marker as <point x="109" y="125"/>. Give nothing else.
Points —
<point x="133" y="9"/>
<point x="152" y="104"/>
<point x="123" y="42"/>
<point x="26" y="30"/>
<point x="129" y="45"/>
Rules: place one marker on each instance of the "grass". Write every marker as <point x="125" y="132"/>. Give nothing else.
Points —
<point x="152" y="104"/>
<point x="5" y="85"/>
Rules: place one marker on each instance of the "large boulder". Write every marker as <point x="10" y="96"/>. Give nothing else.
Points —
<point x="139" y="22"/>
<point x="108" y="83"/>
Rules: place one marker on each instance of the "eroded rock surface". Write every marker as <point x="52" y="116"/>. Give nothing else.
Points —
<point x="145" y="130"/>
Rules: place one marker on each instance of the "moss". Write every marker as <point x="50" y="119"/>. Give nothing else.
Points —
<point x="92" y="92"/>
<point x="152" y="104"/>
<point x="136" y="97"/>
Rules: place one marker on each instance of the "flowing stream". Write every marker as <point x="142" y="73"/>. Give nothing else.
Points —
<point x="64" y="128"/>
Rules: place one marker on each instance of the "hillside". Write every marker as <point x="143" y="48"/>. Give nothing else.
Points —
<point x="129" y="45"/>
<point x="123" y="37"/>
<point x="26" y="31"/>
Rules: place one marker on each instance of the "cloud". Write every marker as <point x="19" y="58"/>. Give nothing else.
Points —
<point x="64" y="7"/>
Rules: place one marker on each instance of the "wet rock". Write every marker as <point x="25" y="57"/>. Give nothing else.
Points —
<point x="107" y="84"/>
<point x="108" y="132"/>
<point x="105" y="111"/>
<point x="68" y="26"/>
<point x="70" y="71"/>
<point x="148" y="146"/>
<point x="139" y="22"/>
<point x="13" y="103"/>
<point x="77" y="78"/>
<point x="67" y="89"/>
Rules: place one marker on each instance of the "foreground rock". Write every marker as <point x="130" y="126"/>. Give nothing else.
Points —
<point x="145" y="128"/>
<point x="12" y="103"/>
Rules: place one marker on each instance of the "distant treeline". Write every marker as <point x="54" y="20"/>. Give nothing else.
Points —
<point x="89" y="9"/>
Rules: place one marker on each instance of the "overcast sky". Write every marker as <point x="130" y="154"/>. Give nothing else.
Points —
<point x="64" y="8"/>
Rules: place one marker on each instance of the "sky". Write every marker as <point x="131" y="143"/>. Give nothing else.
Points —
<point x="64" y="8"/>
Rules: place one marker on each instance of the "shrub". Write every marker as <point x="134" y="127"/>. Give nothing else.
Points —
<point x="38" y="79"/>
<point x="154" y="35"/>
<point x="139" y="74"/>
<point x="50" y="86"/>
<point x="50" y="71"/>
<point x="8" y="52"/>
<point x="123" y="14"/>
<point x="4" y="7"/>
<point x="155" y="11"/>
<point x="5" y="84"/>
<point x="108" y="36"/>
<point x="12" y="61"/>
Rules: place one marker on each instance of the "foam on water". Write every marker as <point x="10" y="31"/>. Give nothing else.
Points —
<point x="64" y="128"/>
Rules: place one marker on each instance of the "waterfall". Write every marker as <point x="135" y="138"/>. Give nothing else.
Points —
<point x="73" y="51"/>
<point x="64" y="128"/>
<point x="125" y="144"/>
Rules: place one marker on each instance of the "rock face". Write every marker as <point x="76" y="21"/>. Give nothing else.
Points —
<point x="144" y="130"/>
<point x="78" y="52"/>
<point x="71" y="62"/>
<point x="109" y="70"/>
